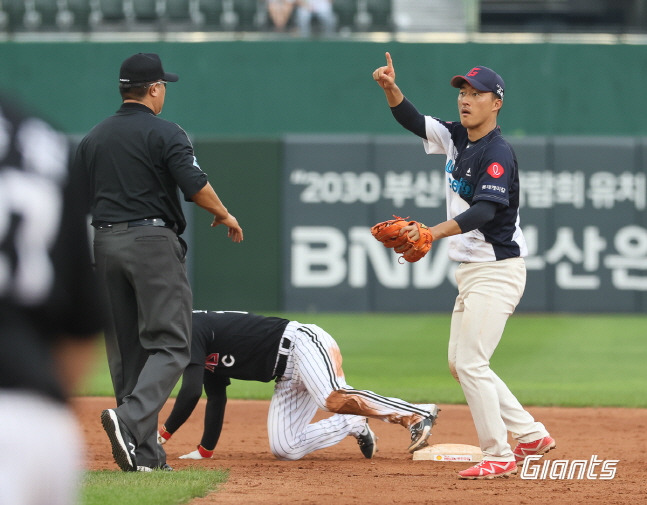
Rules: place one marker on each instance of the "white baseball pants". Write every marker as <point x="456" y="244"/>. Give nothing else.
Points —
<point x="488" y="294"/>
<point x="40" y="451"/>
<point x="314" y="379"/>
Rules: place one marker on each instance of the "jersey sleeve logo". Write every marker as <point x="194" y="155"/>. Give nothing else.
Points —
<point x="495" y="170"/>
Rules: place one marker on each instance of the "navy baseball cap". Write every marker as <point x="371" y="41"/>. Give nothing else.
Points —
<point x="142" y="68"/>
<point x="481" y="78"/>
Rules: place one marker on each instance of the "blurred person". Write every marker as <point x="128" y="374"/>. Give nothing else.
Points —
<point x="280" y="12"/>
<point x="50" y="313"/>
<point x="137" y="164"/>
<point x="485" y="238"/>
<point x="320" y="11"/>
<point x="306" y="363"/>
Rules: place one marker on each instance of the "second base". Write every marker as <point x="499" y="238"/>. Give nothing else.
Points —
<point x="457" y="453"/>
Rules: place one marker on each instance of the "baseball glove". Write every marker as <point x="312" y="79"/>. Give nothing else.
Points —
<point x="388" y="232"/>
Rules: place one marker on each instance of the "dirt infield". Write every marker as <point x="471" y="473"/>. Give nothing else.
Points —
<point x="340" y="475"/>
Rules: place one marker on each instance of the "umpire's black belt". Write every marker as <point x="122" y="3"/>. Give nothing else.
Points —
<point x="154" y="221"/>
<point x="282" y="361"/>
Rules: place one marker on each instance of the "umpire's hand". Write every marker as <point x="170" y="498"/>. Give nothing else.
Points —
<point x="235" y="232"/>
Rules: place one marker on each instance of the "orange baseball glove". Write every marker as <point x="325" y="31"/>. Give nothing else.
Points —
<point x="388" y="232"/>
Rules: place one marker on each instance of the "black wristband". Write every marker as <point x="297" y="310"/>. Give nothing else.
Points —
<point x="408" y="116"/>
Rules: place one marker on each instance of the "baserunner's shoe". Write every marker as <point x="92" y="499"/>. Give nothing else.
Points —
<point x="489" y="470"/>
<point x="421" y="431"/>
<point x="536" y="447"/>
<point x="367" y="442"/>
<point x="164" y="468"/>
<point x="122" y="441"/>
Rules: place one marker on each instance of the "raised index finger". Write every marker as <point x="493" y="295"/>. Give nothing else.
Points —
<point x="389" y="62"/>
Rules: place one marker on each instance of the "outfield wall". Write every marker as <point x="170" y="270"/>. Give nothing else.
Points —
<point x="268" y="88"/>
<point x="248" y="104"/>
<point x="307" y="203"/>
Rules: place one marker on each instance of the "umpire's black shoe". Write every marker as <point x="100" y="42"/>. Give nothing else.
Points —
<point x="421" y="430"/>
<point x="122" y="441"/>
<point x="367" y="442"/>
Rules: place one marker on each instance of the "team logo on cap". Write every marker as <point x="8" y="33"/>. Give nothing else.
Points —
<point x="495" y="170"/>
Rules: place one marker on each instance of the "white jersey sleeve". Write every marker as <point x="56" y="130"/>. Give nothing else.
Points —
<point x="439" y="140"/>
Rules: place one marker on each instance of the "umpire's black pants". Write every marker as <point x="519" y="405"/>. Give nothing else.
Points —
<point x="148" y="332"/>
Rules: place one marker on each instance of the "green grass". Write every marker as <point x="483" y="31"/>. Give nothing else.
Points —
<point x="589" y="360"/>
<point x="159" y="488"/>
<point x="567" y="360"/>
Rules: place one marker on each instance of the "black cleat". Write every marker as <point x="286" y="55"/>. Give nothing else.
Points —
<point x="122" y="441"/>
<point x="367" y="442"/>
<point x="421" y="431"/>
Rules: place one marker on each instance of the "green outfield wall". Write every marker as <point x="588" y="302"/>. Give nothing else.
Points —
<point x="246" y="174"/>
<point x="294" y="86"/>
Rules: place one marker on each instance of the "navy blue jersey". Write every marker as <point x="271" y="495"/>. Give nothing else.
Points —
<point x="237" y="345"/>
<point x="482" y="170"/>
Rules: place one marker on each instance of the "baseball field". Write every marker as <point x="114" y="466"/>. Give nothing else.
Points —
<point x="583" y="376"/>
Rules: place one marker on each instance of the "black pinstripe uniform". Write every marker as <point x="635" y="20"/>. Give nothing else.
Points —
<point x="47" y="287"/>
<point x="306" y="363"/>
<point x="50" y="311"/>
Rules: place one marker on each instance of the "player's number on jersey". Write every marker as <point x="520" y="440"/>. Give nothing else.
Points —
<point x="30" y="214"/>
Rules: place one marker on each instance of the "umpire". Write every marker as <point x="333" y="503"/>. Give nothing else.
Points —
<point x="136" y="162"/>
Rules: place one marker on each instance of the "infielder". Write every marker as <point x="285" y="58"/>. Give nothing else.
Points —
<point x="482" y="187"/>
<point x="307" y="365"/>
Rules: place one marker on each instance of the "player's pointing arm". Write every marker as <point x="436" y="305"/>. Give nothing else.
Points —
<point x="403" y="111"/>
<point x="385" y="77"/>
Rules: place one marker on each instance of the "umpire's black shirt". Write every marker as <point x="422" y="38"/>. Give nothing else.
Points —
<point x="136" y="162"/>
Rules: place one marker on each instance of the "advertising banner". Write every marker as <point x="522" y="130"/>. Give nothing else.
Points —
<point x="583" y="206"/>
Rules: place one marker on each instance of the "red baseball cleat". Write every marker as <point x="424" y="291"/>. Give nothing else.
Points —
<point x="541" y="446"/>
<point x="489" y="470"/>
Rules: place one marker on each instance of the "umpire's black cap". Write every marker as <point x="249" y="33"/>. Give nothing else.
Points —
<point x="483" y="79"/>
<point x="142" y="68"/>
